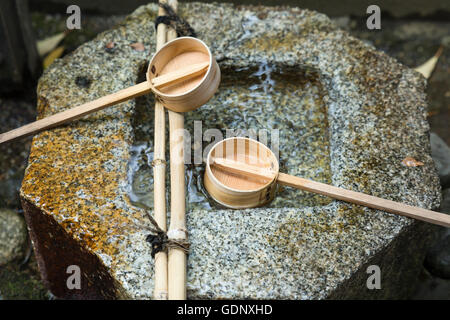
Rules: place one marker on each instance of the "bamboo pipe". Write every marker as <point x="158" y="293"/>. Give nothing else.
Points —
<point x="335" y="192"/>
<point x="177" y="258"/>
<point x="103" y="102"/>
<point x="160" y="291"/>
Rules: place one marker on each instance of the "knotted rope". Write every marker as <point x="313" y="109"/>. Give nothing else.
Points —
<point x="171" y="19"/>
<point x="160" y="241"/>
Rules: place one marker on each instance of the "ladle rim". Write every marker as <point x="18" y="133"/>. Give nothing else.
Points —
<point x="165" y="95"/>
<point x="215" y="180"/>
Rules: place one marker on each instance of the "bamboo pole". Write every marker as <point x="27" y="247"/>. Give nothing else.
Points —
<point x="177" y="229"/>
<point x="159" y="178"/>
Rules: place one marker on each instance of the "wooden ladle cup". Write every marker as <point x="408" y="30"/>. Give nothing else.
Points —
<point x="183" y="74"/>
<point x="243" y="173"/>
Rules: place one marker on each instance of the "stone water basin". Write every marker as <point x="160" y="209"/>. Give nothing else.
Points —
<point x="283" y="107"/>
<point x="346" y="114"/>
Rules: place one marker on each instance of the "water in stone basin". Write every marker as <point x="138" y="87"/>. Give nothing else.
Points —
<point x="248" y="100"/>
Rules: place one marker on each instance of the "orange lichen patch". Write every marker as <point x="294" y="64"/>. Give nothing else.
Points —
<point x="42" y="105"/>
<point x="70" y="178"/>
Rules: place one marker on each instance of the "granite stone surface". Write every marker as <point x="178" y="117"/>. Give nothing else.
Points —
<point x="78" y="188"/>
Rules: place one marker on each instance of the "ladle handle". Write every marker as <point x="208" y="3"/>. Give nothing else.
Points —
<point x="160" y="289"/>
<point x="334" y="192"/>
<point x="106" y="101"/>
<point x="365" y="200"/>
<point x="77" y="112"/>
<point x="180" y="75"/>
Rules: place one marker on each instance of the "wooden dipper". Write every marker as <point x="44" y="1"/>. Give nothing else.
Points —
<point x="243" y="173"/>
<point x="185" y="76"/>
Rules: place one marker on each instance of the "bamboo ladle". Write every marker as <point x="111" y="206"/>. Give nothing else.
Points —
<point x="245" y="176"/>
<point x="162" y="81"/>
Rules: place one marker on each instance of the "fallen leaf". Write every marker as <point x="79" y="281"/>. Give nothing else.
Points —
<point x="431" y="113"/>
<point x="138" y="46"/>
<point x="48" y="44"/>
<point x="52" y="56"/>
<point x="411" y="162"/>
<point x="427" y="68"/>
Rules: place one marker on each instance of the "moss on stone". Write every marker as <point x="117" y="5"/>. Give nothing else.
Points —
<point x="18" y="283"/>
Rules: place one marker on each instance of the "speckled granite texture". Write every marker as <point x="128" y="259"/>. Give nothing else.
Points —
<point x="77" y="178"/>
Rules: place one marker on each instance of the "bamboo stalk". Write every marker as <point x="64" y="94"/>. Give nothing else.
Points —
<point x="159" y="178"/>
<point x="365" y="200"/>
<point x="177" y="258"/>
